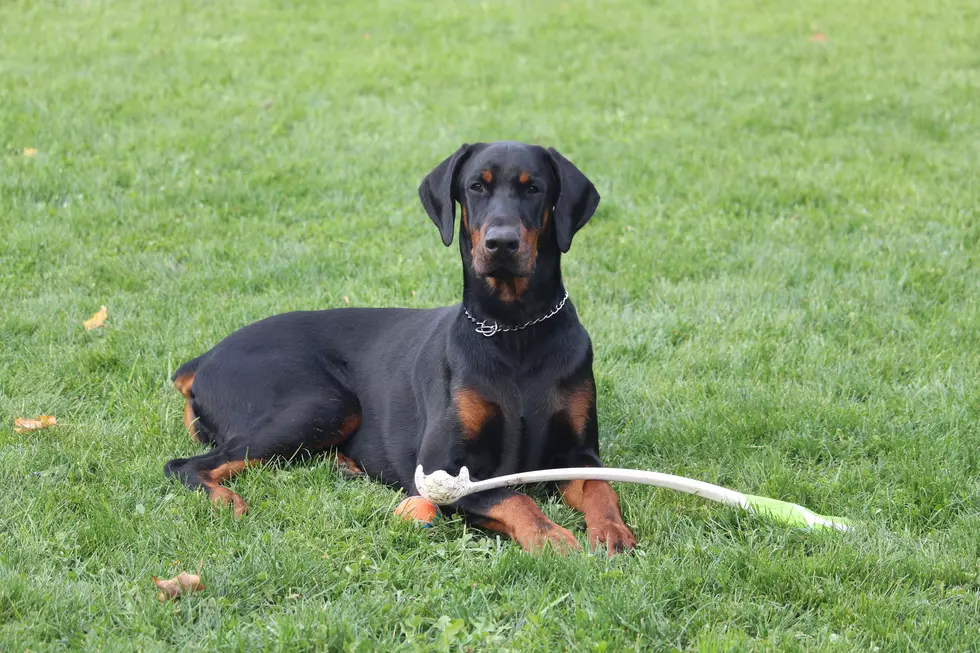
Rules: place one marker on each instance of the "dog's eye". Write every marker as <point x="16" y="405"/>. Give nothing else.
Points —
<point x="531" y="190"/>
<point x="476" y="187"/>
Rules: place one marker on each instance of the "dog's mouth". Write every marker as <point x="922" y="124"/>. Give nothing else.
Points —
<point x="506" y="271"/>
<point x="503" y="270"/>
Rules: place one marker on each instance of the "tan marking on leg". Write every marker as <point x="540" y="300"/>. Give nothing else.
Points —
<point x="596" y="499"/>
<point x="189" y="419"/>
<point x="350" y="424"/>
<point x="600" y="505"/>
<point x="577" y="404"/>
<point x="473" y="411"/>
<point x="224" y="471"/>
<point x="184" y="383"/>
<point x="520" y="518"/>
<point x="348" y="467"/>
<point x="213" y="478"/>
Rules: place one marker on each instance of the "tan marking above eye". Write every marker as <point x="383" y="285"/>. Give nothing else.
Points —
<point x="525" y="177"/>
<point x="486" y="176"/>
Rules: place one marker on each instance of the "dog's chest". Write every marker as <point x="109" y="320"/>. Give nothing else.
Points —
<point x="515" y="424"/>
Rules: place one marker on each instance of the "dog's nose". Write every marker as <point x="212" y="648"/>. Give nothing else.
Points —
<point x="502" y="240"/>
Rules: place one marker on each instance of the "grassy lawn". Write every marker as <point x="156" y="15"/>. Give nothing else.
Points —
<point x="781" y="285"/>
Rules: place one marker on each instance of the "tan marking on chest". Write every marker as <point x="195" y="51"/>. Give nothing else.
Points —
<point x="576" y="405"/>
<point x="473" y="411"/>
<point x="596" y="499"/>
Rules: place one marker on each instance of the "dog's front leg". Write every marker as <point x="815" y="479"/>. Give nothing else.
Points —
<point x="503" y="510"/>
<point x="518" y="516"/>
<point x="603" y="520"/>
<point x="597" y="500"/>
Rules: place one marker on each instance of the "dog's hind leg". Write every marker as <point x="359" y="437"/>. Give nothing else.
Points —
<point x="305" y="426"/>
<point x="208" y="471"/>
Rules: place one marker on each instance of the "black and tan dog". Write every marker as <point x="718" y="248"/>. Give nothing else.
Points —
<point x="501" y="382"/>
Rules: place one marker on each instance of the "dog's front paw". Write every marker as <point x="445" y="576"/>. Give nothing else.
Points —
<point x="554" y="536"/>
<point x="615" y="534"/>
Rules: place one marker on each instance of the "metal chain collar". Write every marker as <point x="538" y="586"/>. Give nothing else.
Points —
<point x="486" y="328"/>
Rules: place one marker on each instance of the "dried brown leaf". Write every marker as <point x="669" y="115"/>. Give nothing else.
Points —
<point x="25" y="424"/>
<point x="96" y="320"/>
<point x="182" y="583"/>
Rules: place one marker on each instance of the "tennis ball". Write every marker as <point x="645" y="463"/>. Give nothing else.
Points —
<point x="420" y="509"/>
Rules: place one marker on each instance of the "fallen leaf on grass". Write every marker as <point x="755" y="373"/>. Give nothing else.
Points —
<point x="818" y="37"/>
<point x="182" y="583"/>
<point x="346" y="299"/>
<point x="25" y="424"/>
<point x="30" y="151"/>
<point x="96" y="320"/>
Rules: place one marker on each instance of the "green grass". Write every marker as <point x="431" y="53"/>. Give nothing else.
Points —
<point x="781" y="284"/>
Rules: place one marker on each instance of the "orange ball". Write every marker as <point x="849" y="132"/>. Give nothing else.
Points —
<point x="418" y="508"/>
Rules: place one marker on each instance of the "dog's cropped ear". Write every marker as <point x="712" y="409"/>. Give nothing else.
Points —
<point x="438" y="193"/>
<point x="577" y="199"/>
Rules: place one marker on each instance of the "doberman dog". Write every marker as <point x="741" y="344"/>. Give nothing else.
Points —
<point x="501" y="382"/>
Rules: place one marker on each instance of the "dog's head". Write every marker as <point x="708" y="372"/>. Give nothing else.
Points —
<point x="516" y="200"/>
